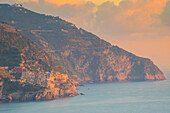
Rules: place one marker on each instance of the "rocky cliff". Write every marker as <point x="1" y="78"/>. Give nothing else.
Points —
<point x="17" y="92"/>
<point x="85" y="56"/>
<point x="1" y="87"/>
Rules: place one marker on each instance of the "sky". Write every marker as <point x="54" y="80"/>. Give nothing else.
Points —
<point x="139" y="26"/>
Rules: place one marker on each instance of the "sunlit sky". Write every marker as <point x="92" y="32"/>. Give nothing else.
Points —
<point x="139" y="26"/>
<point x="99" y="2"/>
<point x="62" y="2"/>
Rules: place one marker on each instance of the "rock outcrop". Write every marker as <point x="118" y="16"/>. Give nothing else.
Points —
<point x="86" y="57"/>
<point x="49" y="93"/>
<point x="57" y="90"/>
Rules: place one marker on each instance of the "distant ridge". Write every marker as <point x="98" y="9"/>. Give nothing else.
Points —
<point x="86" y="57"/>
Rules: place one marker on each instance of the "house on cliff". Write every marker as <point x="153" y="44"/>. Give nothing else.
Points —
<point x="17" y="72"/>
<point x="58" y="77"/>
<point x="17" y="5"/>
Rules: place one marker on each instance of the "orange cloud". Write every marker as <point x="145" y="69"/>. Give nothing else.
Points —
<point x="99" y="2"/>
<point x="138" y="14"/>
<point x="63" y="2"/>
<point x="28" y="1"/>
<point x="34" y="0"/>
<point x="150" y="8"/>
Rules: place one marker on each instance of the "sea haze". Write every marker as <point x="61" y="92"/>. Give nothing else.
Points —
<point x="129" y="97"/>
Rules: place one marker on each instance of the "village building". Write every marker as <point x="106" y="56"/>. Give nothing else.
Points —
<point x="43" y="79"/>
<point x="17" y="72"/>
<point x="64" y="77"/>
<point x="17" y="5"/>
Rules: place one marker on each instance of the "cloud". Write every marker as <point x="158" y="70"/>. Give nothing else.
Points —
<point x="130" y="16"/>
<point x="22" y="1"/>
<point x="99" y="2"/>
<point x="63" y="2"/>
<point x="82" y="15"/>
<point x="165" y="16"/>
<point x="73" y="2"/>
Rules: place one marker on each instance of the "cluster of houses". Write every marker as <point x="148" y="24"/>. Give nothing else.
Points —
<point x="43" y="79"/>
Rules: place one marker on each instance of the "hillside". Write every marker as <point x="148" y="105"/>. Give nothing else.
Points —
<point x="41" y="78"/>
<point x="85" y="56"/>
<point x="16" y="49"/>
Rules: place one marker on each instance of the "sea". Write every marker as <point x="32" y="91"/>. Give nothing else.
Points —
<point x="125" y="97"/>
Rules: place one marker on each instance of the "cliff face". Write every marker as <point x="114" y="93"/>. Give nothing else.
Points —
<point x="56" y="90"/>
<point x="85" y="56"/>
<point x="123" y="66"/>
<point x="1" y="87"/>
<point x="110" y="64"/>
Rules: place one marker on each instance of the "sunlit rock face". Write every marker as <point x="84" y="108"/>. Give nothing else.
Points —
<point x="60" y="89"/>
<point x="115" y="65"/>
<point x="85" y="56"/>
<point x="55" y="90"/>
<point x="1" y="87"/>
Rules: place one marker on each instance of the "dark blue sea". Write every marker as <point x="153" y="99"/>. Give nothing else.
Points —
<point x="128" y="97"/>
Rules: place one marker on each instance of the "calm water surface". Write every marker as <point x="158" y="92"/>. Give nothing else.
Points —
<point x="130" y="97"/>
